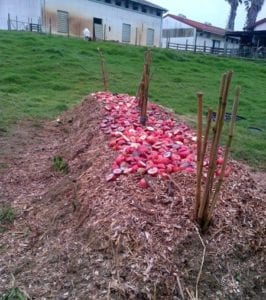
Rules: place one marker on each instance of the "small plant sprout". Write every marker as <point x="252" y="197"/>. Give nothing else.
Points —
<point x="59" y="164"/>
<point x="7" y="215"/>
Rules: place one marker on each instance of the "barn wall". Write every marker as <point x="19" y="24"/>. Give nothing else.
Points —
<point x="23" y="10"/>
<point x="81" y="14"/>
<point x="201" y="39"/>
<point x="170" y="23"/>
<point x="260" y="27"/>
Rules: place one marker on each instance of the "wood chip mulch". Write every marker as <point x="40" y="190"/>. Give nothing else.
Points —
<point x="77" y="236"/>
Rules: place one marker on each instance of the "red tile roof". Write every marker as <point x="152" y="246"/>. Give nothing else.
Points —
<point x="198" y="25"/>
<point x="262" y="21"/>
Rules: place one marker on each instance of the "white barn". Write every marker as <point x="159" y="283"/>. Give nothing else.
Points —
<point x="260" y="25"/>
<point x="136" y="22"/>
<point x="17" y="14"/>
<point x="183" y="31"/>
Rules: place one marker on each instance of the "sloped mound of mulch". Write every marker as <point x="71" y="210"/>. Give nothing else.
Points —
<point x="77" y="236"/>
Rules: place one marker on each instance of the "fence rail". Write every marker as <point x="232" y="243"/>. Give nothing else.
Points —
<point x="15" y="24"/>
<point x="248" y="52"/>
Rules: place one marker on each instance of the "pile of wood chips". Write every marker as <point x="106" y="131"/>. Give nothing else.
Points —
<point x="77" y="236"/>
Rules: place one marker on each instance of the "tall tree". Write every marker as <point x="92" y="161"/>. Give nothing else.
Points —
<point x="253" y="8"/>
<point x="233" y="10"/>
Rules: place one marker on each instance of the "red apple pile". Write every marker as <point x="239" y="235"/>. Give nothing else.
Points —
<point x="163" y="147"/>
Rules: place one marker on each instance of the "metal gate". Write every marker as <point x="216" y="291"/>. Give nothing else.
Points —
<point x="150" y="37"/>
<point x="126" y="33"/>
<point x="62" y="21"/>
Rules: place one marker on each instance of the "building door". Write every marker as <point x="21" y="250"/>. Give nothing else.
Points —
<point x="97" y="29"/>
<point x="150" y="37"/>
<point x="126" y="33"/>
<point x="62" y="21"/>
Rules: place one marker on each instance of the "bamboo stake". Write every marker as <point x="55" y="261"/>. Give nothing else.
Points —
<point x="203" y="210"/>
<point x="227" y="149"/>
<point x="205" y="194"/>
<point x="221" y="92"/>
<point x="205" y="143"/>
<point x="206" y="136"/>
<point x="219" y="132"/>
<point x="199" y="153"/>
<point x="145" y="88"/>
<point x="140" y="92"/>
<point x="104" y="72"/>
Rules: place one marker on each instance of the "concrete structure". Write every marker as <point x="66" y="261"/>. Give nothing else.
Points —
<point x="136" y="22"/>
<point x="180" y="30"/>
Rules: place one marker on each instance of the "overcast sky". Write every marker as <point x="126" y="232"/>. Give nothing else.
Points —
<point x="214" y="11"/>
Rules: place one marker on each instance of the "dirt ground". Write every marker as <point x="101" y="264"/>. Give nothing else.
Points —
<point x="77" y="236"/>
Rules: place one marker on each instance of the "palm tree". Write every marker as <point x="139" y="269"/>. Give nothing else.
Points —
<point x="233" y="9"/>
<point x="253" y="8"/>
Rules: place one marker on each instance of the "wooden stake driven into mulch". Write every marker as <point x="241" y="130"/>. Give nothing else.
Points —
<point x="204" y="204"/>
<point x="200" y="165"/>
<point x="199" y="151"/>
<point x="104" y="72"/>
<point x="226" y="153"/>
<point x="144" y="88"/>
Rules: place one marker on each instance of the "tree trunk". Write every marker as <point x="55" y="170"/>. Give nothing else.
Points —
<point x="252" y="13"/>
<point x="231" y="20"/>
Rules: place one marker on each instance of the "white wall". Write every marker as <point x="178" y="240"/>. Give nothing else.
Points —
<point x="170" y="23"/>
<point x="82" y="12"/>
<point x="261" y="27"/>
<point x="24" y="10"/>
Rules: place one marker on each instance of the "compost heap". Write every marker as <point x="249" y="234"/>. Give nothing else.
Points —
<point x="163" y="147"/>
<point x="118" y="224"/>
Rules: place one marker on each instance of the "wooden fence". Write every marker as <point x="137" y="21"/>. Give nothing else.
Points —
<point x="15" y="24"/>
<point x="248" y="52"/>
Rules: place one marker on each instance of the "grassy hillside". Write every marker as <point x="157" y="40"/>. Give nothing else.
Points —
<point x="42" y="76"/>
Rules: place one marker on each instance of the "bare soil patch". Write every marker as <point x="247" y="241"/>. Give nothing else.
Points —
<point x="77" y="236"/>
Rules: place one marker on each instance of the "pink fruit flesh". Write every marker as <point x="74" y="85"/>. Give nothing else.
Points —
<point x="143" y="183"/>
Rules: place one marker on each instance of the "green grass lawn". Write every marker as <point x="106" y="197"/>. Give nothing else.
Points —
<point x="41" y="76"/>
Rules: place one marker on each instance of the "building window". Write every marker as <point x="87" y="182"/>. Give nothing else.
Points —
<point x="108" y="1"/>
<point x="178" y="32"/>
<point x="135" y="6"/>
<point x="143" y="9"/>
<point x="118" y="3"/>
<point x="126" y="33"/>
<point x="158" y="13"/>
<point x="150" y="37"/>
<point x="62" y="21"/>
<point x="126" y="4"/>
<point x="216" y="43"/>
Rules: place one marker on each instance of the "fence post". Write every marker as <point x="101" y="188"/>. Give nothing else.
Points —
<point x="225" y="47"/>
<point x="8" y="22"/>
<point x="204" y="47"/>
<point x="195" y="41"/>
<point x="68" y="26"/>
<point x="186" y="44"/>
<point x="50" y="26"/>
<point x="17" y="23"/>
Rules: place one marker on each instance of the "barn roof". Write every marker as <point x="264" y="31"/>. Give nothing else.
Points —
<point x="150" y="4"/>
<point x="198" y="25"/>
<point x="262" y="21"/>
